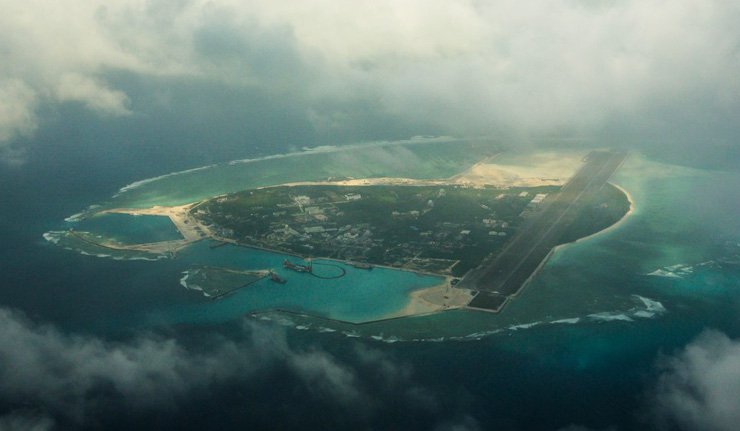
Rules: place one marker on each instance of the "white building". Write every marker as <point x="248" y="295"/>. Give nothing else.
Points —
<point x="539" y="197"/>
<point x="302" y="200"/>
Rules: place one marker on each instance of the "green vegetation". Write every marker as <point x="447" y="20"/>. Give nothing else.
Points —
<point x="605" y="209"/>
<point x="428" y="228"/>
<point x="440" y="229"/>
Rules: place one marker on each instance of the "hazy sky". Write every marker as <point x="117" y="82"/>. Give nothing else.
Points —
<point x="346" y="70"/>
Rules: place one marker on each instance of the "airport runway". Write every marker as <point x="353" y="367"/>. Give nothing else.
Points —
<point x="503" y="276"/>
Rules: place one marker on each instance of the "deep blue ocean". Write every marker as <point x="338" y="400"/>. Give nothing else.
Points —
<point x="578" y="347"/>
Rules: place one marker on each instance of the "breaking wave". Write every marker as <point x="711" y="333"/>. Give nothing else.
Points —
<point x="664" y="273"/>
<point x="190" y="285"/>
<point x="673" y="271"/>
<point x="644" y="308"/>
<point x="137" y="184"/>
<point x="55" y="237"/>
<point x="52" y="236"/>
<point x="74" y="218"/>
<point x="304" y="151"/>
<point x="571" y="321"/>
<point x="524" y="326"/>
<point x="334" y="149"/>
<point x="651" y="305"/>
<point x="610" y="317"/>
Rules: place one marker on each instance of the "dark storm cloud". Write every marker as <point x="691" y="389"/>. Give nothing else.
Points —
<point x="699" y="388"/>
<point x="644" y="70"/>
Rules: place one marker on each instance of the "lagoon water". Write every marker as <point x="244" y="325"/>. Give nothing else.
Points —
<point x="578" y="346"/>
<point x="131" y="229"/>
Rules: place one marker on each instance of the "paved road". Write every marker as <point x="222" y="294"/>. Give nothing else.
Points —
<point x="504" y="275"/>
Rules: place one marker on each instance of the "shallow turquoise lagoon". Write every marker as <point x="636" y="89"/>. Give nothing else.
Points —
<point x="435" y="158"/>
<point x="665" y="258"/>
<point x="359" y="296"/>
<point x="130" y="229"/>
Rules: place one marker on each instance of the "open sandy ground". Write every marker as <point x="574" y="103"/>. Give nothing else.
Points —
<point x="540" y="169"/>
<point x="438" y="298"/>
<point x="187" y="225"/>
<point x="532" y="170"/>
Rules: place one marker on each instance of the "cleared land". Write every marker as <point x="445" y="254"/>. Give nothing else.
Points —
<point x="505" y="273"/>
<point x="495" y="224"/>
<point x="435" y="229"/>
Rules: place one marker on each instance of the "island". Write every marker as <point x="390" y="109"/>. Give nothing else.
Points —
<point x="485" y="238"/>
<point x="444" y="230"/>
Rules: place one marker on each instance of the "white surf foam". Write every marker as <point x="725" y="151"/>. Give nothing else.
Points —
<point x="524" y="326"/>
<point x="192" y="286"/>
<point x="570" y="321"/>
<point x="137" y="184"/>
<point x="53" y="236"/>
<point x="610" y="317"/>
<point x="74" y="217"/>
<point x="306" y="150"/>
<point x="651" y="305"/>
<point x="351" y="334"/>
<point x="335" y="149"/>
<point x="664" y="273"/>
<point x="284" y="321"/>
<point x="681" y="267"/>
<point x="679" y="270"/>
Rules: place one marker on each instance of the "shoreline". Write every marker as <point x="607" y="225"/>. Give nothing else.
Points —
<point x="614" y="226"/>
<point x="482" y="173"/>
<point x="440" y="297"/>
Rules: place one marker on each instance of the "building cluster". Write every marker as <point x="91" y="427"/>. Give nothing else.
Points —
<point x="403" y="236"/>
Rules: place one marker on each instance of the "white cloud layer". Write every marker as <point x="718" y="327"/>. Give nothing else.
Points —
<point x="471" y="67"/>
<point x="699" y="388"/>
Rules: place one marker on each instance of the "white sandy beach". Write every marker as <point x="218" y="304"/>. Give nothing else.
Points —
<point x="541" y="169"/>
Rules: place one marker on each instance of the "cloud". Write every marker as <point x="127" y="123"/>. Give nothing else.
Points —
<point x="70" y="374"/>
<point x="78" y="88"/>
<point x="465" y="424"/>
<point x="457" y="67"/>
<point x="699" y="388"/>
<point x="66" y="373"/>
<point x="23" y="421"/>
<point x="324" y="374"/>
<point x="48" y="377"/>
<point x="17" y="105"/>
<point x="583" y="428"/>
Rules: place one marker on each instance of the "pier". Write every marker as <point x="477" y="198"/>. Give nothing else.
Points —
<point x="309" y="269"/>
